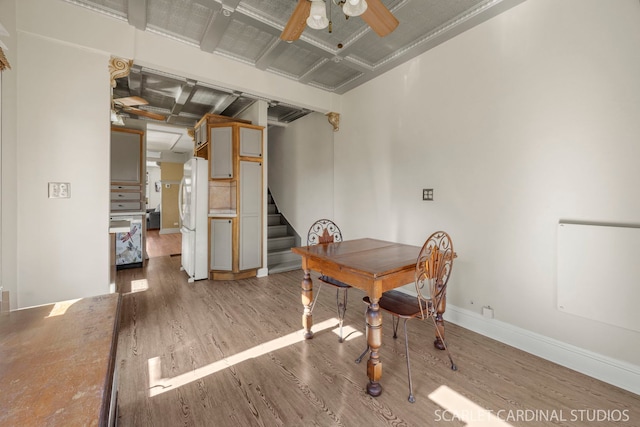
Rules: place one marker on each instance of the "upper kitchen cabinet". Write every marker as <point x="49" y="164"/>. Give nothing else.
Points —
<point x="222" y="152"/>
<point x="250" y="142"/>
<point x="126" y="156"/>
<point x="230" y="142"/>
<point x="201" y="133"/>
<point x="127" y="183"/>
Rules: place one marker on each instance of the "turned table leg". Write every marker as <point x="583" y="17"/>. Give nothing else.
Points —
<point x="307" y="298"/>
<point x="374" y="339"/>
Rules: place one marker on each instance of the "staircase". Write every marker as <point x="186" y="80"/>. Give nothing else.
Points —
<point x="280" y="239"/>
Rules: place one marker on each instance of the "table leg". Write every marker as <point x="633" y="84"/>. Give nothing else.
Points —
<point x="307" y="299"/>
<point x="374" y="339"/>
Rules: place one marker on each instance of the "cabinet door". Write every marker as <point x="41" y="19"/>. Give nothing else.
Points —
<point x="221" y="244"/>
<point x="126" y="156"/>
<point x="250" y="215"/>
<point x="197" y="135"/>
<point x="250" y="142"/>
<point x="221" y="152"/>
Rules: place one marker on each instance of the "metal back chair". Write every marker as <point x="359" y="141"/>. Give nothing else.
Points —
<point x="433" y="269"/>
<point x="326" y="231"/>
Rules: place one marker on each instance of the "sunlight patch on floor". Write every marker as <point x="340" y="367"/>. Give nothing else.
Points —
<point x="138" y="286"/>
<point x="159" y="385"/>
<point x="458" y="407"/>
<point x="348" y="332"/>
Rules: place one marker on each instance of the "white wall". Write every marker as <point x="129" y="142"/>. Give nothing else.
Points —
<point x="301" y="171"/>
<point x="63" y="136"/>
<point x="8" y="192"/>
<point x="527" y="119"/>
<point x="153" y="172"/>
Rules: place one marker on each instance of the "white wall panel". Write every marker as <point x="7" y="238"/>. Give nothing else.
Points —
<point x="599" y="273"/>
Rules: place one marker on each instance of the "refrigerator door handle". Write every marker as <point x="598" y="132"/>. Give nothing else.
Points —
<point x="180" y="206"/>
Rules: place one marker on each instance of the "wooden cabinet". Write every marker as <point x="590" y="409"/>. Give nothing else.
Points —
<point x="221" y="160"/>
<point x="234" y="151"/>
<point x="201" y="132"/>
<point x="250" y="215"/>
<point x="126" y="155"/>
<point x="221" y="244"/>
<point x="250" y="142"/>
<point x="127" y="185"/>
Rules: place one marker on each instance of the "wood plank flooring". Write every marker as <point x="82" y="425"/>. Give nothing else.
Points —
<point x="163" y="244"/>
<point x="230" y="354"/>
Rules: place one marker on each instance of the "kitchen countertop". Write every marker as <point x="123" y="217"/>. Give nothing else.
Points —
<point x="119" y="226"/>
<point x="222" y="213"/>
<point x="135" y="213"/>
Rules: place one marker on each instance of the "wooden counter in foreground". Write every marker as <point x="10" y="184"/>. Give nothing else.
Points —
<point x="57" y="363"/>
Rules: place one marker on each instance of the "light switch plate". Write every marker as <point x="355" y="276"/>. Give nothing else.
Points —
<point x="427" y="194"/>
<point x="59" y="190"/>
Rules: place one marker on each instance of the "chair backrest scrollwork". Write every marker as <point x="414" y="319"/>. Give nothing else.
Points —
<point x="323" y="231"/>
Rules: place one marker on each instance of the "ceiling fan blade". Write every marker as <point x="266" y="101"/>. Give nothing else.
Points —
<point x="297" y="22"/>
<point x="379" y="18"/>
<point x="145" y="113"/>
<point x="130" y="101"/>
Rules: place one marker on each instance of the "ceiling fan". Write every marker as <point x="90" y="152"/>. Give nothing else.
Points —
<point x="313" y="13"/>
<point x="129" y="104"/>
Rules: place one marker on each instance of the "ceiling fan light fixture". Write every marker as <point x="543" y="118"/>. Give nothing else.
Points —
<point x="318" y="16"/>
<point x="354" y="7"/>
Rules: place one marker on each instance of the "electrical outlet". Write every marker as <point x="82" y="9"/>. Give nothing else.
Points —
<point x="59" y="190"/>
<point x="487" y="312"/>
<point x="427" y="194"/>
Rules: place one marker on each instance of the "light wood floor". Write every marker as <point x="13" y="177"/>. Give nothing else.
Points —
<point x="163" y="244"/>
<point x="230" y="354"/>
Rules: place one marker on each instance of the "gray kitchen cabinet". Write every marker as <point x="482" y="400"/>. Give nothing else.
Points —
<point x="126" y="156"/>
<point x="250" y="142"/>
<point x="250" y="215"/>
<point x="221" y="247"/>
<point x="235" y="199"/>
<point x="221" y="160"/>
<point x="127" y="170"/>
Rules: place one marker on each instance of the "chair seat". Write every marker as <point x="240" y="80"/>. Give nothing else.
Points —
<point x="333" y="282"/>
<point x="400" y="304"/>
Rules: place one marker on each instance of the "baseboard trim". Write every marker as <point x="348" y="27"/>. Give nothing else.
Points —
<point x="169" y="231"/>
<point x="262" y="272"/>
<point x="616" y="372"/>
<point x="612" y="371"/>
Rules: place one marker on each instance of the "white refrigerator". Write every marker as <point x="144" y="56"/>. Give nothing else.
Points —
<point x="193" y="205"/>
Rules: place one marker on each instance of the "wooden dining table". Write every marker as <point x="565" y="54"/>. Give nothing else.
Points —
<point x="375" y="266"/>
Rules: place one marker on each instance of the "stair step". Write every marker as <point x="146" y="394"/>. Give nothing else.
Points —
<point x="281" y="256"/>
<point x="285" y="242"/>
<point x="276" y="231"/>
<point x="273" y="219"/>
<point x="271" y="208"/>
<point x="285" y="266"/>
